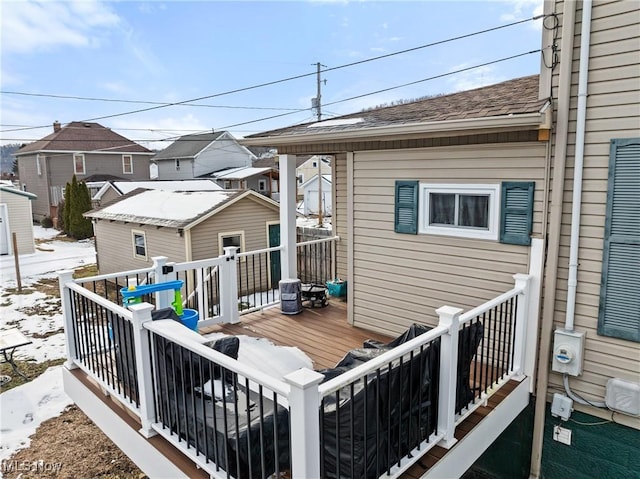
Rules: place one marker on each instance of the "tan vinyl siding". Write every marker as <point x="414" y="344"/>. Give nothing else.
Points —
<point x="250" y="218"/>
<point x="20" y="221"/>
<point x="400" y="278"/>
<point x="246" y="215"/>
<point x="339" y="219"/>
<point x="612" y="112"/>
<point x="109" y="195"/>
<point x="115" y="245"/>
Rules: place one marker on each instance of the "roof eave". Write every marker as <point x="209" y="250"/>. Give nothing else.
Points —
<point x="505" y="122"/>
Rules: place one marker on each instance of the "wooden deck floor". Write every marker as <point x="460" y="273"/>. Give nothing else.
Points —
<point x="322" y="333"/>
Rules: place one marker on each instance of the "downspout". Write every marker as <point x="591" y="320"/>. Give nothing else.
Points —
<point x="583" y="74"/>
<point x="555" y="222"/>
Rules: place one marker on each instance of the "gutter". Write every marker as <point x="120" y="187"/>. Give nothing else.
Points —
<point x="530" y="120"/>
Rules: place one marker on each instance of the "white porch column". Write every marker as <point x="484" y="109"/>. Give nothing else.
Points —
<point x="449" y="318"/>
<point x="304" y="406"/>
<point x="142" y="314"/>
<point x="288" y="192"/>
<point x="67" y="317"/>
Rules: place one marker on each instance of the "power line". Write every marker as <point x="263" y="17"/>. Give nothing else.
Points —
<point x="144" y="102"/>
<point x="442" y="75"/>
<point x="296" y="77"/>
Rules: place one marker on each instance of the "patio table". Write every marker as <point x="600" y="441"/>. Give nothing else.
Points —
<point x="10" y="340"/>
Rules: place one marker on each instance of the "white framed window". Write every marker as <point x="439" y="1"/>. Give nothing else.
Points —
<point x="39" y="159"/>
<point x="464" y="210"/>
<point x="231" y="238"/>
<point x="177" y="165"/>
<point x="139" y="239"/>
<point x="262" y="184"/>
<point x="300" y="178"/>
<point x="127" y="164"/>
<point x="314" y="164"/>
<point x="78" y="164"/>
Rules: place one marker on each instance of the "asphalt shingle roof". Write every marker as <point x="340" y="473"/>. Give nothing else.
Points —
<point x="513" y="97"/>
<point x="187" y="146"/>
<point x="84" y="136"/>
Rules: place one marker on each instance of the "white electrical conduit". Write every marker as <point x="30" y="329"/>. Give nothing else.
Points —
<point x="578" y="399"/>
<point x="583" y="74"/>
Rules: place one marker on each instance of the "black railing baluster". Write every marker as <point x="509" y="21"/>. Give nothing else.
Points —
<point x="351" y="430"/>
<point x="276" y="428"/>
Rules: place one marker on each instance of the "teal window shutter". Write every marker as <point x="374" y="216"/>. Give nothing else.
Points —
<point x="516" y="212"/>
<point x="619" y="308"/>
<point x="406" y="207"/>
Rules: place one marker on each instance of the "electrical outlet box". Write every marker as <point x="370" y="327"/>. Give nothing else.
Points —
<point x="568" y="352"/>
<point x="562" y="435"/>
<point x="561" y="406"/>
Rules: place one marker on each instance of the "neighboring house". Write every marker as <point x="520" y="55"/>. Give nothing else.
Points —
<point x="262" y="180"/>
<point x="311" y="195"/>
<point x="115" y="189"/>
<point x="80" y="148"/>
<point x="192" y="156"/>
<point x="309" y="168"/>
<point x="16" y="217"/>
<point x="182" y="226"/>
<point x="440" y="201"/>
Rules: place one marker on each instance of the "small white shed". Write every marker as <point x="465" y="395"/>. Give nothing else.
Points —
<point x="312" y="196"/>
<point x="16" y="217"/>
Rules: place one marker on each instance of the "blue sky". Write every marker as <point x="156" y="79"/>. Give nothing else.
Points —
<point x="167" y="52"/>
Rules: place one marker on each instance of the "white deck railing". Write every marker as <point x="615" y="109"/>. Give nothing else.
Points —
<point x="113" y="345"/>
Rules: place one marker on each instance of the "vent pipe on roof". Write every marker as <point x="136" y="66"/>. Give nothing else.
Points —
<point x="56" y="126"/>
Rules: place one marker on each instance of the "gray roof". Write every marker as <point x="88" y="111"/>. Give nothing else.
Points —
<point x="188" y="146"/>
<point x="509" y="98"/>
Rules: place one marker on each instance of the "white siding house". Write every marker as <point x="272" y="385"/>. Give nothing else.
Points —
<point x="16" y="217"/>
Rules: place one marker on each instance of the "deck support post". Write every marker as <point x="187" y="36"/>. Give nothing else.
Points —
<point x="142" y="314"/>
<point x="65" y="277"/>
<point x="450" y="319"/>
<point x="229" y="286"/>
<point x="304" y="404"/>
<point x="163" y="298"/>
<point x="519" y="341"/>
<point x="288" y="196"/>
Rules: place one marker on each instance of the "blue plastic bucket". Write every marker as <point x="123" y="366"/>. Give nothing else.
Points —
<point x="190" y="318"/>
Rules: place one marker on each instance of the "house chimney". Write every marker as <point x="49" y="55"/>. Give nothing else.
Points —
<point x="56" y="126"/>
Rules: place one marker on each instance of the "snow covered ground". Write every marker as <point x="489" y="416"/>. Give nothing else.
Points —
<point x="39" y="317"/>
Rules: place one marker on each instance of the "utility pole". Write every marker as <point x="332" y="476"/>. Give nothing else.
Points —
<point x="316" y="102"/>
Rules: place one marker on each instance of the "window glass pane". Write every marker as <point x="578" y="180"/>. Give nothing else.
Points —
<point x="473" y="211"/>
<point x="442" y="207"/>
<point x="231" y="241"/>
<point x="79" y="164"/>
<point x="139" y="243"/>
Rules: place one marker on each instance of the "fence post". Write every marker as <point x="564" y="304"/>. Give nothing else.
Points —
<point x="304" y="410"/>
<point x="450" y="319"/>
<point x="142" y="314"/>
<point x="519" y="338"/>
<point x="229" y="286"/>
<point x="65" y="277"/>
<point x="163" y="298"/>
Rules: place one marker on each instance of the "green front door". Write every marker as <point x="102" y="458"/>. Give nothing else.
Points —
<point x="274" y="257"/>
